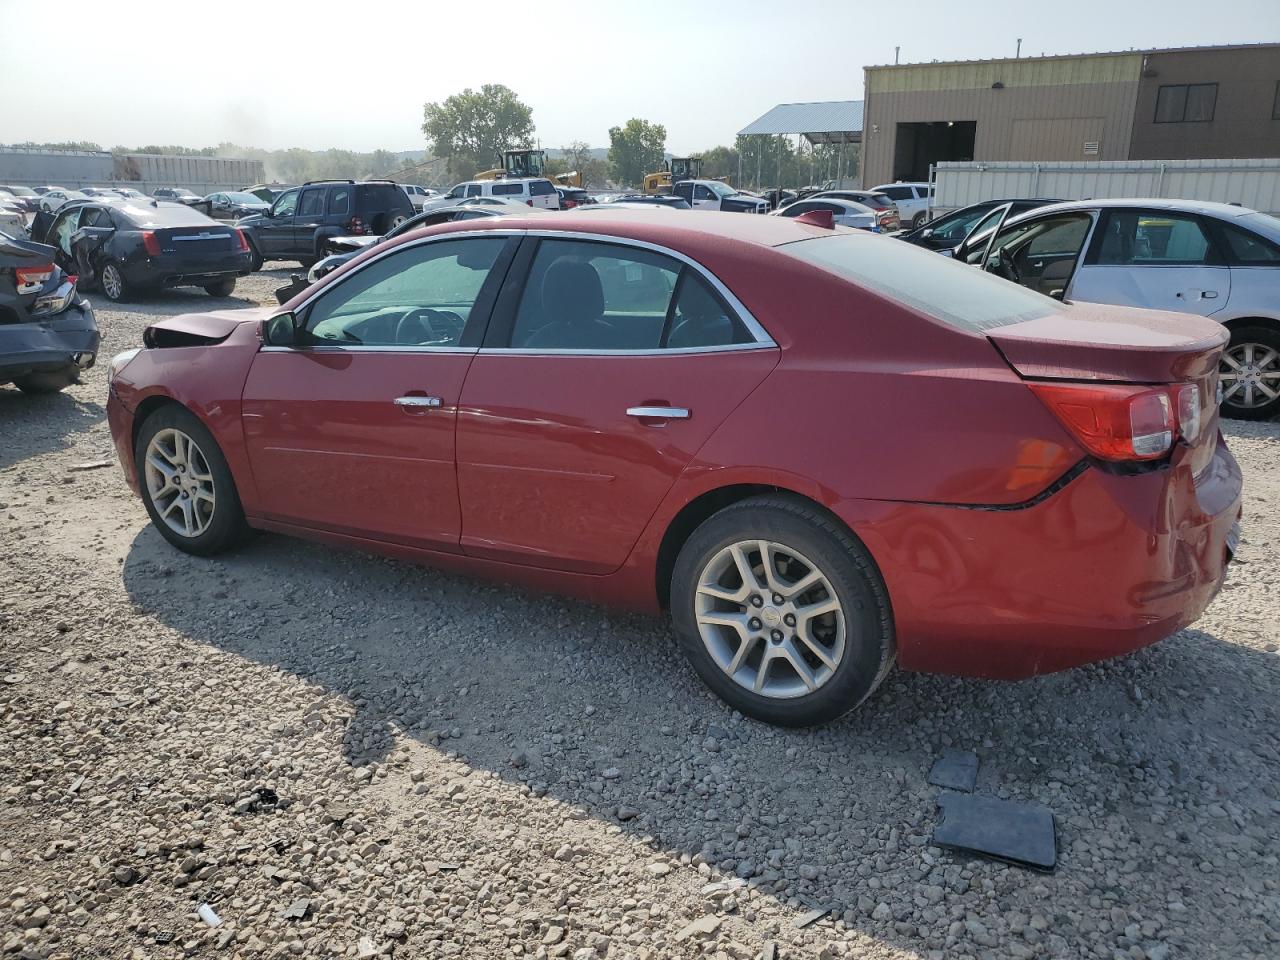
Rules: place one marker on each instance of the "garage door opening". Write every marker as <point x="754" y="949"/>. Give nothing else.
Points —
<point x="920" y="144"/>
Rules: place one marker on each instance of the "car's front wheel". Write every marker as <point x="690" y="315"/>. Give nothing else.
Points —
<point x="187" y="486"/>
<point x="1250" y="373"/>
<point x="782" y="611"/>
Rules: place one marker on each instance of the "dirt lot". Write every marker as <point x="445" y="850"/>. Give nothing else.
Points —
<point x="426" y="766"/>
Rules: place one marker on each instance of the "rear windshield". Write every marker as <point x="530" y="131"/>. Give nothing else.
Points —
<point x="955" y="293"/>
<point x="144" y="215"/>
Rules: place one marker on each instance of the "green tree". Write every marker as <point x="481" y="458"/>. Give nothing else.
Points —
<point x="636" y="149"/>
<point x="472" y="127"/>
<point x="383" y="162"/>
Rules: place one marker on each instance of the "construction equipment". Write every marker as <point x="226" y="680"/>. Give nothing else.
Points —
<point x="672" y="172"/>
<point x="528" y="163"/>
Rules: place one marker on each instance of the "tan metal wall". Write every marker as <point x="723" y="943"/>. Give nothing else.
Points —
<point x="1242" y="124"/>
<point x="1047" y="110"/>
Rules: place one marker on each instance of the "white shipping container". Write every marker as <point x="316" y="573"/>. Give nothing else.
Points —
<point x="1250" y="183"/>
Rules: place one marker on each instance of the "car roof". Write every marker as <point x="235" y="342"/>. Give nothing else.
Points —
<point x="706" y="229"/>
<point x="903" y="183"/>
<point x="841" y="201"/>
<point x="1206" y="207"/>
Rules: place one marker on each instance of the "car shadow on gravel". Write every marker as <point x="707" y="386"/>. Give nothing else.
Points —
<point x="600" y="711"/>
<point x="39" y="423"/>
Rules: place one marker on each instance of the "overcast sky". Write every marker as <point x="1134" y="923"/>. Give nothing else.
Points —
<point x="293" y="74"/>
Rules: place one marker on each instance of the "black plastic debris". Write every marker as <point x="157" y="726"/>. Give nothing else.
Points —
<point x="264" y="798"/>
<point x="812" y="917"/>
<point x="297" y="910"/>
<point x="165" y="936"/>
<point x="1022" y="834"/>
<point x="955" y="770"/>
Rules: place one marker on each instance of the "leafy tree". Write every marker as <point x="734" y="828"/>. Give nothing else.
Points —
<point x="472" y="127"/>
<point x="87" y="146"/>
<point x="636" y="149"/>
<point x="383" y="162"/>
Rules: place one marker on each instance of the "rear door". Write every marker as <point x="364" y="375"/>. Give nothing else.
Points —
<point x="1154" y="258"/>
<point x="606" y="368"/>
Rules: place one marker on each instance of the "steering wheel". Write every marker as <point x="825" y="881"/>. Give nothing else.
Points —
<point x="423" y="325"/>
<point x="1002" y="264"/>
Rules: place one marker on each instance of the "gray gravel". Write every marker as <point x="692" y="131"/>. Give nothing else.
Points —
<point x="347" y="756"/>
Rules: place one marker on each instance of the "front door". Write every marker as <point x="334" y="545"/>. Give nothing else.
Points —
<point x="276" y="231"/>
<point x="1040" y="254"/>
<point x="309" y="219"/>
<point x="590" y="397"/>
<point x="353" y="430"/>
<point x="1153" y="258"/>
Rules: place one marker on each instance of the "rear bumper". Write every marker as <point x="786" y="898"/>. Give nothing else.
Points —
<point x="171" y="271"/>
<point x="1103" y="567"/>
<point x="69" y="339"/>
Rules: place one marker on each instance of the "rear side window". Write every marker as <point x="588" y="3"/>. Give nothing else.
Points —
<point x="508" y="189"/>
<point x="312" y="203"/>
<point x="1249" y="249"/>
<point x="898" y="193"/>
<point x="540" y="188"/>
<point x="1135" y="238"/>
<point x="954" y="293"/>
<point x="340" y="200"/>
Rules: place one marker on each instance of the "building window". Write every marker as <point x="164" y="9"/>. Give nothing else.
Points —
<point x="1186" y="103"/>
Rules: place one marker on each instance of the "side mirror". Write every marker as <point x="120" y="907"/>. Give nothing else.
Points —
<point x="948" y="253"/>
<point x="282" y="330"/>
<point x="926" y="233"/>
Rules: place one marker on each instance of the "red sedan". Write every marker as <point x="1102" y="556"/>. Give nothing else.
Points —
<point x="819" y="449"/>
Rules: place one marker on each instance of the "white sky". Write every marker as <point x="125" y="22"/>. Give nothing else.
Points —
<point x="305" y="74"/>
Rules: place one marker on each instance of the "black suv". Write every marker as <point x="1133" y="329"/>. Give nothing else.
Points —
<point x="302" y="218"/>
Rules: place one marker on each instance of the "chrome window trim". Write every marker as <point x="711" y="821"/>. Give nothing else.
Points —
<point x="646" y="352"/>
<point x="361" y="348"/>
<point x="761" y="337"/>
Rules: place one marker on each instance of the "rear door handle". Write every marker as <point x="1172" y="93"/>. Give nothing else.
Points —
<point x="1208" y="294"/>
<point x="658" y="413"/>
<point x="418" y="402"/>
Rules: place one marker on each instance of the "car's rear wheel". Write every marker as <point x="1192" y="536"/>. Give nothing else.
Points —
<point x="1250" y="374"/>
<point x="114" y="286"/>
<point x="255" y="257"/>
<point x="918" y="220"/>
<point x="223" y="288"/>
<point x="46" y="382"/>
<point x="782" y="611"/>
<point x="187" y="486"/>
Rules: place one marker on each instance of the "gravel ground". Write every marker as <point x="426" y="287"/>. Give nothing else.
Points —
<point x="350" y="756"/>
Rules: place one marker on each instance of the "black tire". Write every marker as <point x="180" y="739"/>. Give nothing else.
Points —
<point x="46" y="382"/>
<point x="919" y="221"/>
<point x="223" y="288"/>
<point x="227" y="527"/>
<point x="869" y="651"/>
<point x="255" y="263"/>
<point x="113" y="284"/>
<point x="1263" y="339"/>
<point x="307" y="262"/>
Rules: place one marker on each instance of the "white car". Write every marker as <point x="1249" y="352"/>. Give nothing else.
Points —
<point x="718" y="195"/>
<point x="13" y="219"/>
<point x="1214" y="259"/>
<point x="844" y="213"/>
<point x="51" y="200"/>
<point x="419" y="195"/>
<point x="911" y="199"/>
<point x="536" y="192"/>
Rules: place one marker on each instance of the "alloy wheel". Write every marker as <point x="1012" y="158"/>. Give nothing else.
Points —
<point x="1250" y="375"/>
<point x="112" y="282"/>
<point x="180" y="483"/>
<point x="770" y="619"/>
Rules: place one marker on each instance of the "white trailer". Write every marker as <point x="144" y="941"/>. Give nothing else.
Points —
<point x="1250" y="183"/>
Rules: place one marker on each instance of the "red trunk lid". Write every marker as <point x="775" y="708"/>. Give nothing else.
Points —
<point x="1089" y="341"/>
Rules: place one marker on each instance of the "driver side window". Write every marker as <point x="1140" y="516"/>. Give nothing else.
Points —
<point x="417" y="297"/>
<point x="286" y="204"/>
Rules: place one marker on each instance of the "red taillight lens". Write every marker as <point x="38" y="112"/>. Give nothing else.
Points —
<point x="151" y="243"/>
<point x="529" y="202"/>
<point x="1113" y="422"/>
<point x="33" y="276"/>
<point x="237" y="238"/>
<point x="1189" y="412"/>
<point x="355" y="225"/>
<point x="570" y="204"/>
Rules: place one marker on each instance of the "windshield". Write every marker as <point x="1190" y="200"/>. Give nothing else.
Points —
<point x="243" y="198"/>
<point x="721" y="189"/>
<point x="1264" y="223"/>
<point x="22" y="191"/>
<point x="954" y="293"/>
<point x="956" y="226"/>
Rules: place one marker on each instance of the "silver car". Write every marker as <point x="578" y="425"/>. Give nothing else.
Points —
<point x="1214" y="259"/>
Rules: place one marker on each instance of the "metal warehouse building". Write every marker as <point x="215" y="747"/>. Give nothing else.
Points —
<point x="1175" y="104"/>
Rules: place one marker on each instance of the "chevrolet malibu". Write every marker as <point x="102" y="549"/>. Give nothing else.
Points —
<point x="822" y="451"/>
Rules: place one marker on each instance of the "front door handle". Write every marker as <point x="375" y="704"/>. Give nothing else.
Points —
<point x="658" y="413"/>
<point x="1208" y="294"/>
<point x="418" y="402"/>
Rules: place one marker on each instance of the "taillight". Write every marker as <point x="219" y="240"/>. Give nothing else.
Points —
<point x="32" y="276"/>
<point x="355" y="225"/>
<point x="570" y="204"/>
<point x="1189" y="411"/>
<point x="151" y="243"/>
<point x="237" y="235"/>
<point x="529" y="201"/>
<point x="1114" y="422"/>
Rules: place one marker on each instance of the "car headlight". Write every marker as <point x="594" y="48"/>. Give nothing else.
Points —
<point x="120" y="361"/>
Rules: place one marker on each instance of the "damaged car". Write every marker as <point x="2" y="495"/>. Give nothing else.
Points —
<point x="47" y="331"/>
<point x="126" y="248"/>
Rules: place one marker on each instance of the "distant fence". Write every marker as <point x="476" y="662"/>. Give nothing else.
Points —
<point x="1250" y="183"/>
